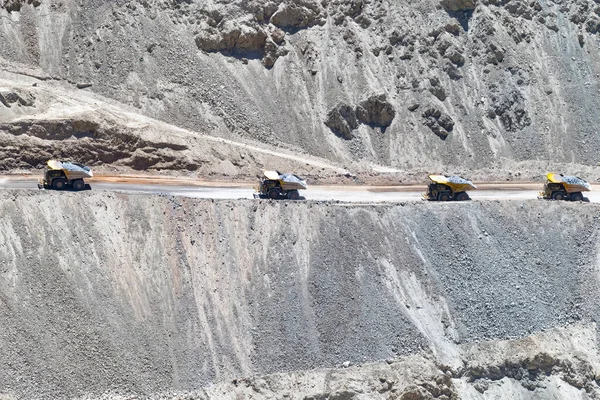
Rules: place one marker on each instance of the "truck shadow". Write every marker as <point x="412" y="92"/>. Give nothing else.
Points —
<point x="70" y="189"/>
<point x="278" y="199"/>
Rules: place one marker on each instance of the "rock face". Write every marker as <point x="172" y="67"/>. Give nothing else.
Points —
<point x="242" y="39"/>
<point x="166" y="295"/>
<point x="439" y="123"/>
<point x="519" y="73"/>
<point x="92" y="144"/>
<point x="459" y="5"/>
<point x="342" y="120"/>
<point x="376" y="111"/>
<point x="15" y="5"/>
<point x="232" y="37"/>
<point x="298" y="14"/>
<point x="10" y="98"/>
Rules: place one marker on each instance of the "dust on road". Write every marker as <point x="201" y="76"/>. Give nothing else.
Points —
<point x="195" y="188"/>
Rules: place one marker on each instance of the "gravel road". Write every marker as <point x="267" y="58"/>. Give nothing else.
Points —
<point x="353" y="194"/>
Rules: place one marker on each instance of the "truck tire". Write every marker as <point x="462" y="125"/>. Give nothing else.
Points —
<point x="274" y="193"/>
<point x="59" y="184"/>
<point x="558" y="196"/>
<point x="78" y="184"/>
<point x="444" y="196"/>
<point x="293" y="195"/>
<point x="577" y="196"/>
<point x="462" y="196"/>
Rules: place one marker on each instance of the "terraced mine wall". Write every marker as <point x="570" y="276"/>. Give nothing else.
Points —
<point x="138" y="294"/>
<point x="450" y="84"/>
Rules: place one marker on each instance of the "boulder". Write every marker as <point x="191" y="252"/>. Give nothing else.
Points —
<point x="297" y="15"/>
<point x="212" y="40"/>
<point x="439" y="123"/>
<point x="376" y="111"/>
<point x="232" y="36"/>
<point x="14" y="97"/>
<point x="15" y="5"/>
<point x="413" y="106"/>
<point x="251" y="39"/>
<point x="459" y="5"/>
<point x="272" y="53"/>
<point x="342" y="120"/>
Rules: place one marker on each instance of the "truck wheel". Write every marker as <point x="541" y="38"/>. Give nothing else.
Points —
<point x="293" y="195"/>
<point x="444" y="197"/>
<point x="462" y="196"/>
<point x="558" y="196"/>
<point x="78" y="184"/>
<point x="59" y="184"/>
<point x="273" y="194"/>
<point x="577" y="196"/>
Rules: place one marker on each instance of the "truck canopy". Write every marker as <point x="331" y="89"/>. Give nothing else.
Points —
<point x="571" y="183"/>
<point x="455" y="182"/>
<point x="68" y="166"/>
<point x="287" y="177"/>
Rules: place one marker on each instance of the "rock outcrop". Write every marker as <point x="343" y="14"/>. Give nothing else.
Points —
<point x="15" y="5"/>
<point x="519" y="72"/>
<point x="89" y="143"/>
<point x="376" y="111"/>
<point x="332" y="300"/>
<point x="232" y="36"/>
<point x="342" y="120"/>
<point x="298" y="14"/>
<point x="440" y="123"/>
<point x="244" y="40"/>
<point x="9" y="98"/>
<point x="459" y="5"/>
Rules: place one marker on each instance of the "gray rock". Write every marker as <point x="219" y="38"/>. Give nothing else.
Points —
<point x="15" y="5"/>
<point x="298" y="14"/>
<point x="438" y="92"/>
<point x="376" y="111"/>
<point x="232" y="36"/>
<point x="9" y="98"/>
<point x="441" y="124"/>
<point x="342" y="120"/>
<point x="459" y="5"/>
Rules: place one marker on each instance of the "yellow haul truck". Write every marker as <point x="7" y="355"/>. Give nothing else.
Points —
<point x="60" y="175"/>
<point x="563" y="187"/>
<point x="279" y="186"/>
<point x="448" y="187"/>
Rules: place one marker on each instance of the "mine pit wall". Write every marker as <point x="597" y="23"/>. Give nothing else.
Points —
<point x="517" y="83"/>
<point x="135" y="293"/>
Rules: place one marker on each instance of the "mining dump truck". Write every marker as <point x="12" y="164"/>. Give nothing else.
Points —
<point x="280" y="186"/>
<point x="61" y="175"/>
<point x="563" y="187"/>
<point x="448" y="187"/>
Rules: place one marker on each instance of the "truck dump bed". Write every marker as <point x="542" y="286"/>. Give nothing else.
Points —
<point x="571" y="183"/>
<point x="288" y="180"/>
<point x="71" y="170"/>
<point x="456" y="183"/>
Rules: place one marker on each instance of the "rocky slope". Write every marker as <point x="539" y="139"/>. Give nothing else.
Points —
<point x="464" y="85"/>
<point x="116" y="295"/>
<point x="43" y="121"/>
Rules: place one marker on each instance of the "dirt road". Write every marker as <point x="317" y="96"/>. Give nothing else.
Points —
<point x="228" y="190"/>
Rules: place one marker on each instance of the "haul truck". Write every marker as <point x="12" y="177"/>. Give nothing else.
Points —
<point x="60" y="175"/>
<point x="448" y="187"/>
<point x="564" y="187"/>
<point x="280" y="186"/>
